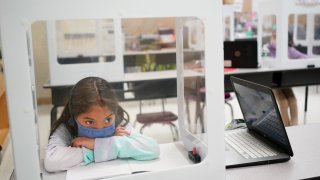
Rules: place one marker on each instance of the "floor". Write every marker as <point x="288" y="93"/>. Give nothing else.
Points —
<point x="162" y="133"/>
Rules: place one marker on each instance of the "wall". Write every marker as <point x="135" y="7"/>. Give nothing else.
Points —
<point x="40" y="55"/>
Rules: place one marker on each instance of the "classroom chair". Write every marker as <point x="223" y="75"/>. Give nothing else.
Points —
<point x="153" y="90"/>
<point x="162" y="117"/>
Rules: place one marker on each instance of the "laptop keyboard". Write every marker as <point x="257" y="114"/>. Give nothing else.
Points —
<point x="270" y="125"/>
<point x="247" y="145"/>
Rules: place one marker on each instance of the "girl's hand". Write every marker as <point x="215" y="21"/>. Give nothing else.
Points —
<point x="120" y="131"/>
<point x="83" y="142"/>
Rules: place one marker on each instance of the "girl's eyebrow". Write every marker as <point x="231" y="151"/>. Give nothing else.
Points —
<point x="89" y="118"/>
<point x="109" y="115"/>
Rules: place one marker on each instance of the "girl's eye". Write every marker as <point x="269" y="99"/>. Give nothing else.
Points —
<point x="108" y="119"/>
<point x="89" y="122"/>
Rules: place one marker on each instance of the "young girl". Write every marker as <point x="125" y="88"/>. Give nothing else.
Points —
<point x="93" y="127"/>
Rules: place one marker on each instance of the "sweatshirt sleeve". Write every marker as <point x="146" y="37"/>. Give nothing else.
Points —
<point x="134" y="146"/>
<point x="60" y="155"/>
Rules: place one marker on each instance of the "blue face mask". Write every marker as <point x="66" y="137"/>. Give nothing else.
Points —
<point x="95" y="133"/>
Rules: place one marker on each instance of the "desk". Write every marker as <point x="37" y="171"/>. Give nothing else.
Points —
<point x="276" y="77"/>
<point x="146" y="84"/>
<point x="304" y="139"/>
<point x="172" y="155"/>
<point x="305" y="142"/>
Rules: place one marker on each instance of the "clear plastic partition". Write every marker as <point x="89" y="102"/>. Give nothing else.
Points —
<point x="148" y="91"/>
<point x="269" y="36"/>
<point x="194" y="122"/>
<point x="246" y="25"/>
<point x="227" y="29"/>
<point x="228" y="21"/>
<point x="316" y="46"/>
<point x="84" y="47"/>
<point x="85" y="41"/>
<point x="65" y="52"/>
<point x="303" y="36"/>
<point x="149" y="44"/>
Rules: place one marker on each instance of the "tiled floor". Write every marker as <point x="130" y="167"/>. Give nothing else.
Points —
<point x="162" y="133"/>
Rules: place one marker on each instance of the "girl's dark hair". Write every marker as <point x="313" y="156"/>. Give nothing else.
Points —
<point x="86" y="93"/>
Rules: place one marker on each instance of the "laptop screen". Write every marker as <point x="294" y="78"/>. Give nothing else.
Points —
<point x="261" y="112"/>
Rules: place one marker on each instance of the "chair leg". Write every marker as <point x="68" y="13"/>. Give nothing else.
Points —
<point x="141" y="129"/>
<point x="176" y="134"/>
<point x="202" y="118"/>
<point x="231" y="109"/>
<point x="197" y="115"/>
<point x="134" y="123"/>
<point x="188" y="113"/>
<point x="173" y="135"/>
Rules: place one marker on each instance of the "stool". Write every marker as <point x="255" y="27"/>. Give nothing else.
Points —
<point x="164" y="117"/>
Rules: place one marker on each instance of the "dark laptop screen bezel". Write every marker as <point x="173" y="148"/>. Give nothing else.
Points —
<point x="268" y="91"/>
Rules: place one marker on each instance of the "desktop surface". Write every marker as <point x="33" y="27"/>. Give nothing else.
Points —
<point x="305" y="143"/>
<point x="172" y="155"/>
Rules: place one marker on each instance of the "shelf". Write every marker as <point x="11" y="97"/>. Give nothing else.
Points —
<point x="161" y="51"/>
<point x="127" y="53"/>
<point x="154" y="75"/>
<point x="130" y="53"/>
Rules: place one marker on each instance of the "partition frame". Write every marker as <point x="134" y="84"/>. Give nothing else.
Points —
<point x="16" y="20"/>
<point x="282" y="10"/>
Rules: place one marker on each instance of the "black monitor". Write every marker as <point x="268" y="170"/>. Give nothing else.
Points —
<point x="241" y="54"/>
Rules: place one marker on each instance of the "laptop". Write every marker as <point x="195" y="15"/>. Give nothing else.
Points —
<point x="265" y="139"/>
<point x="241" y="54"/>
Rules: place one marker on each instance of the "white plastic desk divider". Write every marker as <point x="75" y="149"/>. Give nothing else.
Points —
<point x="282" y="10"/>
<point x="170" y="157"/>
<point x="16" y="18"/>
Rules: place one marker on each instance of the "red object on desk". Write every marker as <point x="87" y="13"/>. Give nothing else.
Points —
<point x="229" y="69"/>
<point x="194" y="150"/>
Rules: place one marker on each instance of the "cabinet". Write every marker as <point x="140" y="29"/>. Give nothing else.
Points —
<point x="4" y="124"/>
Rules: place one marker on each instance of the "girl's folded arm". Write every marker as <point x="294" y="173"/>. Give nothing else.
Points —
<point x="135" y="146"/>
<point x="59" y="154"/>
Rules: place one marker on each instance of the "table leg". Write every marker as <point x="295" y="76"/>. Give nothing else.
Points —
<point x="305" y="105"/>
